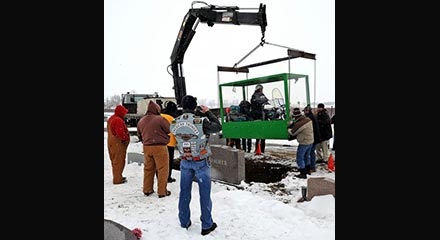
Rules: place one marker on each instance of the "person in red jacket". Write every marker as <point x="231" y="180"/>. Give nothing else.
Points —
<point x="118" y="139"/>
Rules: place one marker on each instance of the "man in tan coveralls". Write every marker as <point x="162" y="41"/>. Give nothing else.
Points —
<point x="118" y="139"/>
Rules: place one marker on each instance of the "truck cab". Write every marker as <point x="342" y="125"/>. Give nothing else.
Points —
<point x="137" y="104"/>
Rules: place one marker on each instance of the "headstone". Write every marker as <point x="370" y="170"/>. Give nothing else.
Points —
<point x="228" y="164"/>
<point x="135" y="157"/>
<point x="318" y="186"/>
<point x="116" y="231"/>
<point x="216" y="139"/>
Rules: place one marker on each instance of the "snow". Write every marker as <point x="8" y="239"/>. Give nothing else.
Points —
<point x="258" y="211"/>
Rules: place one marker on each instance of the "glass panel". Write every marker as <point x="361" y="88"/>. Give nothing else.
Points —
<point x="298" y="93"/>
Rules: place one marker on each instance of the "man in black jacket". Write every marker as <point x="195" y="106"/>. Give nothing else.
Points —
<point x="325" y="132"/>
<point x="258" y="100"/>
<point x="245" y="108"/>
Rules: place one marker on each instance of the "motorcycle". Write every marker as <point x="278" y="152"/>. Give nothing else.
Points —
<point x="276" y="108"/>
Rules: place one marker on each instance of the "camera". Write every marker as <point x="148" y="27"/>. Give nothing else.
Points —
<point x="199" y="111"/>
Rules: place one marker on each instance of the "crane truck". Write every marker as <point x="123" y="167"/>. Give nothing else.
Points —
<point x="210" y="14"/>
<point x="137" y="104"/>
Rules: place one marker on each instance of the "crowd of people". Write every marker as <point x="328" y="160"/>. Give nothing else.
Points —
<point x="161" y="131"/>
<point x="313" y="137"/>
<point x="312" y="131"/>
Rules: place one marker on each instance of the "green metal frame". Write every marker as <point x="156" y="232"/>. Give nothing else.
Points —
<point x="261" y="129"/>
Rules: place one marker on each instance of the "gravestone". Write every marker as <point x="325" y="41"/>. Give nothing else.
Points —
<point x="318" y="186"/>
<point x="116" y="231"/>
<point x="216" y="139"/>
<point x="228" y="164"/>
<point x="135" y="157"/>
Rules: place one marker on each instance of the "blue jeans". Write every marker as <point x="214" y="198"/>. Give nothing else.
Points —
<point x="202" y="171"/>
<point x="303" y="156"/>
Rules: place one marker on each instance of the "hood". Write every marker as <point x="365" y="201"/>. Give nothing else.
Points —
<point x="153" y="108"/>
<point x="121" y="111"/>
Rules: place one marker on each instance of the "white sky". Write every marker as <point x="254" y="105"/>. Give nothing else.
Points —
<point x="250" y="214"/>
<point x="139" y="36"/>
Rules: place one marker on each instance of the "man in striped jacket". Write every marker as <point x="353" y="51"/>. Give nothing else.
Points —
<point x="302" y="129"/>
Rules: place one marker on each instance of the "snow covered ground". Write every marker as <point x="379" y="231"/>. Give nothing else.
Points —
<point x="259" y="211"/>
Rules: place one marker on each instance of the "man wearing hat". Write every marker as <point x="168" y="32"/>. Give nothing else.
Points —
<point x="302" y="129"/>
<point x="192" y="130"/>
<point x="325" y="132"/>
<point x="258" y="100"/>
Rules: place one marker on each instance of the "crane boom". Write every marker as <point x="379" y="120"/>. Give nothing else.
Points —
<point x="211" y="14"/>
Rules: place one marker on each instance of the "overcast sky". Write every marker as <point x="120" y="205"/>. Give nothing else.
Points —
<point x="139" y="36"/>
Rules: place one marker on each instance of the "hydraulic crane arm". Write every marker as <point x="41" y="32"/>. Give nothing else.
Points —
<point x="210" y="15"/>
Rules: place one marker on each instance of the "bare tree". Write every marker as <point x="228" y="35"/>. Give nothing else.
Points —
<point x="112" y="102"/>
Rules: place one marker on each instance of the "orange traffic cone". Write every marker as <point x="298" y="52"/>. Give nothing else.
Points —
<point x="258" y="150"/>
<point x="331" y="163"/>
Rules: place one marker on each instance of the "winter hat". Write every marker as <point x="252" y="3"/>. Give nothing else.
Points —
<point x="170" y="107"/>
<point x="296" y="112"/>
<point x="321" y="105"/>
<point x="121" y="110"/>
<point x="189" y="102"/>
<point x="259" y="86"/>
<point x="307" y="108"/>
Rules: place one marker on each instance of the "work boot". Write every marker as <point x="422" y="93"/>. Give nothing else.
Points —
<point x="320" y="160"/>
<point x="148" y="193"/>
<point x="212" y="228"/>
<point x="166" y="194"/>
<point x="302" y="173"/>
<point x="124" y="180"/>
<point x="189" y="225"/>
<point x="308" y="170"/>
